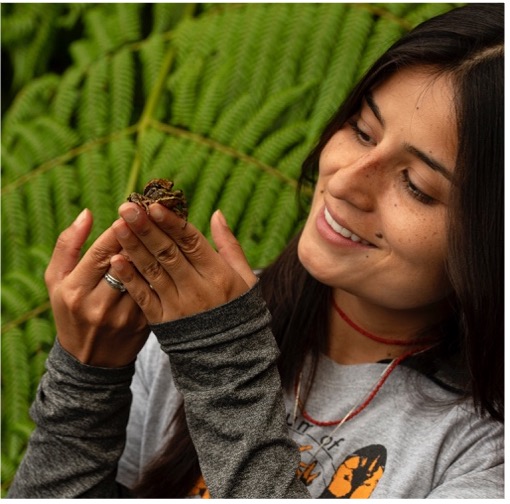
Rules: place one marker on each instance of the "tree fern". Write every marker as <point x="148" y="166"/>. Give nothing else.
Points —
<point x="225" y="99"/>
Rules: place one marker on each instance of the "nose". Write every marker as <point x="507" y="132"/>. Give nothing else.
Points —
<point x="359" y="182"/>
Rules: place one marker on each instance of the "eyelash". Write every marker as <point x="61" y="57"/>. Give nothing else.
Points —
<point x="414" y="191"/>
<point x="360" y="136"/>
<point x="363" y="139"/>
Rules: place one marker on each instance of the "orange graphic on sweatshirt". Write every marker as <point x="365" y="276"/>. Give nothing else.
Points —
<point x="358" y="475"/>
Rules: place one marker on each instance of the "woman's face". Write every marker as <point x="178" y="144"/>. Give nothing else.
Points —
<point x="377" y="225"/>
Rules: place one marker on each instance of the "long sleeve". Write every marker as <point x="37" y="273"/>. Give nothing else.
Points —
<point x="224" y="363"/>
<point x="81" y="414"/>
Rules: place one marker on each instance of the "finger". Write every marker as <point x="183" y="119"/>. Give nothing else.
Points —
<point x="191" y="243"/>
<point x="175" y="248"/>
<point x="96" y="261"/>
<point x="66" y="253"/>
<point x="139" y="290"/>
<point x="152" y="265"/>
<point x="230" y="249"/>
<point x="114" y="283"/>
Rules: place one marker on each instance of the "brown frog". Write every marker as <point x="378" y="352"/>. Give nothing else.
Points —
<point x="160" y="191"/>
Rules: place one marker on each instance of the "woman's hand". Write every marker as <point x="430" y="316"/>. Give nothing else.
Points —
<point x="175" y="272"/>
<point x="97" y="324"/>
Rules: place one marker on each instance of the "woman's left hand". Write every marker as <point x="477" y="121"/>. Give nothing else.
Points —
<point x="174" y="272"/>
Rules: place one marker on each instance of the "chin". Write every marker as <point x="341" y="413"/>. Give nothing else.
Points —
<point x="311" y="261"/>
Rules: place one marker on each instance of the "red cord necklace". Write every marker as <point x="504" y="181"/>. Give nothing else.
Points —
<point x="379" y="339"/>
<point x="359" y="407"/>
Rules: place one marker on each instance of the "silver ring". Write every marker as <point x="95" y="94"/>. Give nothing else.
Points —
<point x="114" y="283"/>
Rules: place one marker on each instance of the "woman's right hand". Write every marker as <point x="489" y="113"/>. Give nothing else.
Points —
<point x="97" y="324"/>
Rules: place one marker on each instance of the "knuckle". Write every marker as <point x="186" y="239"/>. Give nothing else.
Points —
<point x="100" y="254"/>
<point x="75" y="302"/>
<point x="96" y="315"/>
<point x="142" y="298"/>
<point x="152" y="270"/>
<point x="48" y="277"/>
<point x="167" y="255"/>
<point x="143" y="231"/>
<point x="190" y="243"/>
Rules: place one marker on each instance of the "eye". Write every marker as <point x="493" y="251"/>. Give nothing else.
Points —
<point x="360" y="136"/>
<point x="414" y="191"/>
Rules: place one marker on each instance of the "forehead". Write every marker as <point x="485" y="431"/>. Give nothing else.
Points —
<point x="420" y="104"/>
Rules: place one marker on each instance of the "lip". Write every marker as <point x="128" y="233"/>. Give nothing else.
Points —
<point x="330" y="235"/>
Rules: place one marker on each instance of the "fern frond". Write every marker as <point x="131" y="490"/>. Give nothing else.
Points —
<point x="269" y="38"/>
<point x="97" y="27"/>
<point x="120" y="156"/>
<point x="149" y="145"/>
<point x="279" y="228"/>
<point x="122" y="79"/>
<point x="57" y="136"/>
<point x="14" y="164"/>
<point x="208" y="189"/>
<point x="17" y="26"/>
<point x="127" y="21"/>
<point x="96" y="194"/>
<point x="28" y="285"/>
<point x="14" y="231"/>
<point x="31" y="102"/>
<point x="15" y="377"/>
<point x="65" y="193"/>
<point x="39" y="337"/>
<point x="210" y="102"/>
<point x="40" y="210"/>
<point x="342" y="68"/>
<point x="84" y="53"/>
<point x="166" y="162"/>
<point x="14" y="303"/>
<point x="67" y="95"/>
<point x="234" y="117"/>
<point x="183" y="86"/>
<point x="425" y="11"/>
<point x="93" y="110"/>
<point x="268" y="116"/>
<point x="244" y="178"/>
<point x="385" y="33"/>
<point x="39" y="256"/>
<point x="165" y="16"/>
<point x="262" y="202"/>
<point x="299" y="21"/>
<point x="189" y="166"/>
<point x="151" y="57"/>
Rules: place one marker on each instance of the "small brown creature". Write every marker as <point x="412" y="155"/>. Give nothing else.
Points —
<point x="160" y="191"/>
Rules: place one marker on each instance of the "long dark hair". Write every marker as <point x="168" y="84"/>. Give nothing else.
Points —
<point x="466" y="43"/>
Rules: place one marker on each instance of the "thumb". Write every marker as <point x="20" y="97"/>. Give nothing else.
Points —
<point x="230" y="249"/>
<point x="66" y="253"/>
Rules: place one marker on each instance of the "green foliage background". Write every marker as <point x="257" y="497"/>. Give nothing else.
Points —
<point x="225" y="99"/>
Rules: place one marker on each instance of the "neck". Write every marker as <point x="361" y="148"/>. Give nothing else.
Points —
<point x="369" y="333"/>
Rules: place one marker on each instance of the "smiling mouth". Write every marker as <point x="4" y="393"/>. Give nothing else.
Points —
<point x="346" y="233"/>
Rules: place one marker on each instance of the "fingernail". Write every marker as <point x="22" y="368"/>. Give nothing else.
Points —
<point x="131" y="214"/>
<point x="116" y="265"/>
<point x="221" y="218"/>
<point x="81" y="216"/>
<point x="157" y="213"/>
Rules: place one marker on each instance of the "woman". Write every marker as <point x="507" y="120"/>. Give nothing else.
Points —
<point x="387" y="311"/>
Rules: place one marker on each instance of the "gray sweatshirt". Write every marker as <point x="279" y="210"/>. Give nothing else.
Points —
<point x="223" y="363"/>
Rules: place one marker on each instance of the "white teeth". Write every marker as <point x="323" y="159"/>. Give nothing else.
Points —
<point x="346" y="233"/>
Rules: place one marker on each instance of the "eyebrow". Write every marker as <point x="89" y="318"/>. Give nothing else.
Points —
<point x="428" y="160"/>
<point x="374" y="108"/>
<point x="431" y="162"/>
